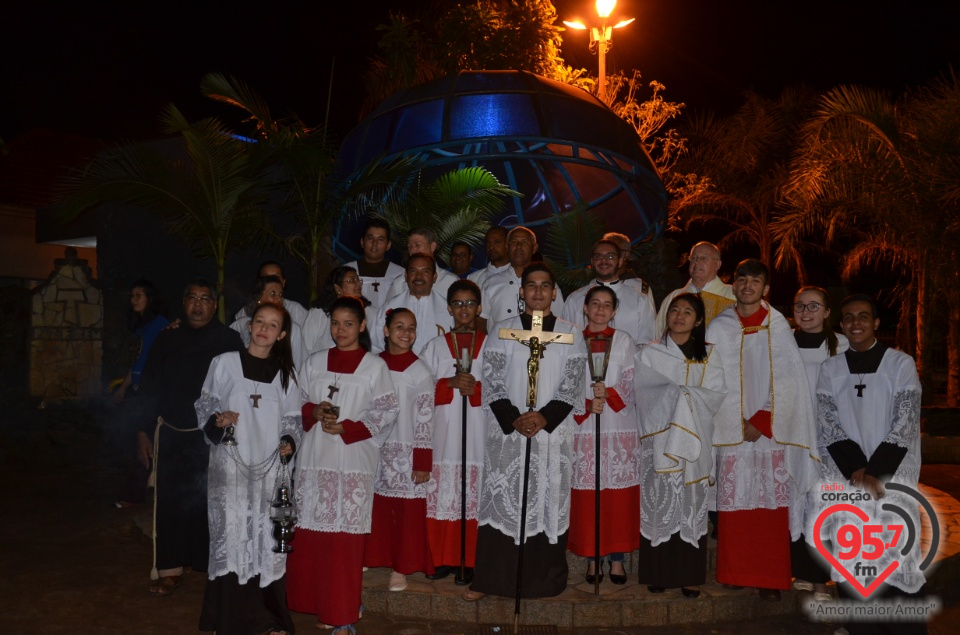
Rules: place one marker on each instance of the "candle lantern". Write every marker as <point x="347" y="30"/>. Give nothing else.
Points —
<point x="599" y="357"/>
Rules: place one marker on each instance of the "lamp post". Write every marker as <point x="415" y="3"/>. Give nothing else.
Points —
<point x="601" y="39"/>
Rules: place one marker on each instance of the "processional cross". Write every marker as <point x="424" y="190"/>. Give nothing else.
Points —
<point x="536" y="339"/>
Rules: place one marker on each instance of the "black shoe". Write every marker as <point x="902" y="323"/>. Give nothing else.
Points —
<point x="590" y="578"/>
<point x="617" y="578"/>
<point x="656" y="589"/>
<point x="690" y="593"/>
<point x="440" y="573"/>
<point x="733" y="587"/>
<point x="467" y="576"/>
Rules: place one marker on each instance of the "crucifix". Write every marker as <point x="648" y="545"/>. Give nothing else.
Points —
<point x="333" y="390"/>
<point x="536" y="339"/>
<point x="860" y="388"/>
<point x="256" y="399"/>
<point x="376" y="286"/>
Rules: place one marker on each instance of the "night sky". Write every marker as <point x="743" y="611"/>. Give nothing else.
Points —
<point x="106" y="71"/>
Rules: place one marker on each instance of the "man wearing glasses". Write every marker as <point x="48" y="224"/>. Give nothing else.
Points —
<point x="704" y="263"/>
<point x="635" y="314"/>
<point x="171" y="383"/>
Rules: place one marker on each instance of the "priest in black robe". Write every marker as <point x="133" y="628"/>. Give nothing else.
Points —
<point x="171" y="383"/>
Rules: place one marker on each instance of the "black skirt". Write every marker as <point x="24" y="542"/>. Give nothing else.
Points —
<point x="674" y="563"/>
<point x="544" y="565"/>
<point x="231" y="608"/>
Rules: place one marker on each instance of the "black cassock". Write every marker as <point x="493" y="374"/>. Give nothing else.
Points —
<point x="171" y="383"/>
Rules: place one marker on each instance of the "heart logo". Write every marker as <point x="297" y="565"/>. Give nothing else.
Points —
<point x="862" y="515"/>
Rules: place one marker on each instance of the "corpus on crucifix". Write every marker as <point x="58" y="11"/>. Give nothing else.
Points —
<point x="535" y="364"/>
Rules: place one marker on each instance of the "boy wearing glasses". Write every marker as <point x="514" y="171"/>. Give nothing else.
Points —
<point x="454" y="358"/>
<point x="635" y="314"/>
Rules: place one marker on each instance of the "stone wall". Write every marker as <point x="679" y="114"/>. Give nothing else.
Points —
<point x="66" y="340"/>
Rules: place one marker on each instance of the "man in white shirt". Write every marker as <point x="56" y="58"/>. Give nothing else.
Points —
<point x="635" y="314"/>
<point x="501" y="292"/>
<point x="420" y="296"/>
<point x="423" y="240"/>
<point x="626" y="274"/>
<point x="704" y="262"/>
<point x="271" y="268"/>
<point x="376" y="272"/>
<point x="498" y="260"/>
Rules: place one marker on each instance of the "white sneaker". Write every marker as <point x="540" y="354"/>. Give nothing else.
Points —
<point x="398" y="582"/>
<point x="802" y="585"/>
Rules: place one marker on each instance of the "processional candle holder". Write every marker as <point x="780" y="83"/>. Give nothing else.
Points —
<point x="598" y="360"/>
<point x="283" y="512"/>
<point x="464" y="356"/>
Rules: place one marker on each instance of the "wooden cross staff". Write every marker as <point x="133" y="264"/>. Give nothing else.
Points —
<point x="536" y="339"/>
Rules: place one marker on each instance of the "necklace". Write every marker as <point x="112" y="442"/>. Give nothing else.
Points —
<point x="334" y="388"/>
<point x="860" y="386"/>
<point x="256" y="394"/>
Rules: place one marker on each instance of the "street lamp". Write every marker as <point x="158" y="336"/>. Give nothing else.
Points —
<point x="601" y="39"/>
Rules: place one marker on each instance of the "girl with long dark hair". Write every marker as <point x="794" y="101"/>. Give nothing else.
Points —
<point x="679" y="387"/>
<point x="254" y="393"/>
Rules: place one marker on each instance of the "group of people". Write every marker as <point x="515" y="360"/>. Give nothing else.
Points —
<point x="444" y="423"/>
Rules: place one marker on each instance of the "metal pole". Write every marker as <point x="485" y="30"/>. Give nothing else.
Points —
<point x="596" y="487"/>
<point x="463" y="489"/>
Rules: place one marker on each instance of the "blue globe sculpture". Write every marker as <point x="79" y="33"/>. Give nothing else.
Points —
<point x="556" y="144"/>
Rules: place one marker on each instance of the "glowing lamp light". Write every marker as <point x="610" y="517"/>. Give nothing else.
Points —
<point x="601" y="39"/>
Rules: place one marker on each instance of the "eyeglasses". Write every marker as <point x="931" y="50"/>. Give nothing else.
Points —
<point x="812" y="307"/>
<point x="198" y="298"/>
<point x="459" y="304"/>
<point x="606" y="256"/>
<point x="353" y="280"/>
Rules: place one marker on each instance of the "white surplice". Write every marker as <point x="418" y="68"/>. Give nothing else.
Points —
<point x="335" y="480"/>
<point x="619" y="434"/>
<point x="440" y="287"/>
<point x="238" y="501"/>
<point x="677" y="429"/>
<point x="480" y="275"/>
<point x="763" y="371"/>
<point x="888" y="412"/>
<point x="413" y="430"/>
<point x="443" y="488"/>
<point x="561" y="377"/>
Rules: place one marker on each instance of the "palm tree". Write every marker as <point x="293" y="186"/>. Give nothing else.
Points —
<point x="458" y="205"/>
<point x="884" y="175"/>
<point x="305" y="176"/>
<point x="210" y="198"/>
<point x="742" y="166"/>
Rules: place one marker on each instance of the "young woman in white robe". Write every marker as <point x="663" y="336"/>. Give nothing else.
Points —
<point x="398" y="538"/>
<point x="351" y="405"/>
<point x="818" y="342"/>
<point x="679" y="387"/>
<point x="612" y="401"/>
<point x="444" y="500"/>
<point x="255" y="392"/>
